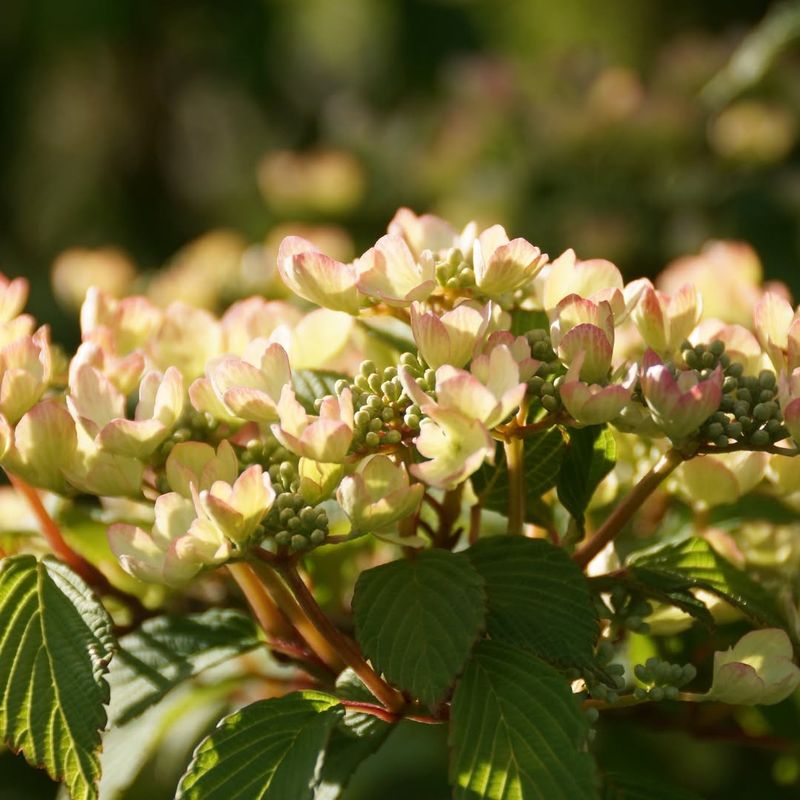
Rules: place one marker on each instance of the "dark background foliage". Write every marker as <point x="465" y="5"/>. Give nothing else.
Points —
<point x="623" y="129"/>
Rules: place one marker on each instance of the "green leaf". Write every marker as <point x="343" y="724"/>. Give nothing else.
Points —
<point x="165" y="651"/>
<point x="268" y="750"/>
<point x="311" y="384"/>
<point x="693" y="563"/>
<point x="590" y="456"/>
<point x="354" y="739"/>
<point x="417" y="620"/>
<point x="516" y="731"/>
<point x="55" y="645"/>
<point x="542" y="457"/>
<point x="659" y="586"/>
<point x="538" y="599"/>
<point x="618" y="786"/>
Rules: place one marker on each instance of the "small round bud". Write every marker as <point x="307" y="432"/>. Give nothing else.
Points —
<point x="367" y="368"/>
<point x="298" y="542"/>
<point x="717" y="347"/>
<point x="317" y="537"/>
<point x="767" y="379"/>
<point x="393" y="437"/>
<point x="372" y="439"/>
<point x="656" y="694"/>
<point x="760" y="438"/>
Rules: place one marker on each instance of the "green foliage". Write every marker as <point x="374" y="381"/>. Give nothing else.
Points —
<point x="55" y="645"/>
<point x="590" y="456"/>
<point x="269" y="749"/>
<point x="166" y="651"/>
<point x="309" y="384"/>
<point x="516" y="731"/>
<point x="355" y="737"/>
<point x="693" y="563"/>
<point x="417" y="620"/>
<point x="543" y="455"/>
<point x="618" y="786"/>
<point x="538" y="599"/>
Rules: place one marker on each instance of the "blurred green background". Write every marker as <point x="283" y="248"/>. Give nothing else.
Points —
<point x="629" y="130"/>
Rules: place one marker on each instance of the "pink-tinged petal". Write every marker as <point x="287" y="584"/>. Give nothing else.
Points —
<point x="322" y="280"/>
<point x="276" y="370"/>
<point x="126" y="437"/>
<point x="45" y="442"/>
<point x="228" y="372"/>
<point x="136" y="552"/>
<point x="168" y="405"/>
<point x="292" y="415"/>
<point x="19" y="392"/>
<point x="772" y="318"/>
<point x="430" y="336"/>
<point x="412" y="388"/>
<point x="574" y="395"/>
<point x="205" y="400"/>
<point x="425" y="232"/>
<point x="389" y="272"/>
<point x="13" y="296"/>
<point x="250" y="404"/>
<point x="793" y="346"/>
<point x="93" y="396"/>
<point x="509" y="267"/>
<point x="466" y="324"/>
<point x="589" y="279"/>
<point x="791" y="418"/>
<point x="326" y="440"/>
<point x="648" y="316"/>
<point x="684" y="310"/>
<point x="315" y="341"/>
<point x="593" y="342"/>
<point x="465" y="393"/>
<point x="604" y="405"/>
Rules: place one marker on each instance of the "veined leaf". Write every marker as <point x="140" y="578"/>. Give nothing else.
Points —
<point x="356" y="737"/>
<point x="417" y="620"/>
<point x="538" y="599"/>
<point x="590" y="456"/>
<point x="542" y="457"/>
<point x="697" y="565"/>
<point x="269" y="750"/>
<point x="55" y="645"/>
<point x="165" y="651"/>
<point x="310" y="384"/>
<point x="516" y="731"/>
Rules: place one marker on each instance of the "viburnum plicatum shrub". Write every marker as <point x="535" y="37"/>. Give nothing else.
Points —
<point x="453" y="482"/>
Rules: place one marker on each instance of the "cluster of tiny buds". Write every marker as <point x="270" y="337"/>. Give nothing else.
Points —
<point x="662" y="679"/>
<point x="455" y="270"/>
<point x="292" y="524"/>
<point x="383" y="413"/>
<point x="606" y="682"/>
<point x="625" y="611"/>
<point x="749" y="411"/>
<point x="268" y="452"/>
<point x="544" y="384"/>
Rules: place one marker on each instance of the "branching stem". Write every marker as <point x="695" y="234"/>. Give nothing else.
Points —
<point x="342" y="644"/>
<point x="626" y="509"/>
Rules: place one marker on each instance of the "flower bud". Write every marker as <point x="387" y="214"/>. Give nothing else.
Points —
<point x="378" y="495"/>
<point x="592" y="404"/>
<point x="678" y="405"/>
<point x="318" y="480"/>
<point x="665" y="321"/>
<point x="757" y="670"/>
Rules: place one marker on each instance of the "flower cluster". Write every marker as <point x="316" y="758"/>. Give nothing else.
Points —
<point x="261" y="427"/>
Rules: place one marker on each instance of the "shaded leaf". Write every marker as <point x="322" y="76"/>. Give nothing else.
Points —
<point x="310" y="384"/>
<point x="516" y="731"/>
<point x="417" y="620"/>
<point x="270" y="750"/>
<point x="165" y="651"/>
<point x="591" y="455"/>
<point x="537" y="598"/>
<point x="618" y="786"/>
<point x="693" y="563"/>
